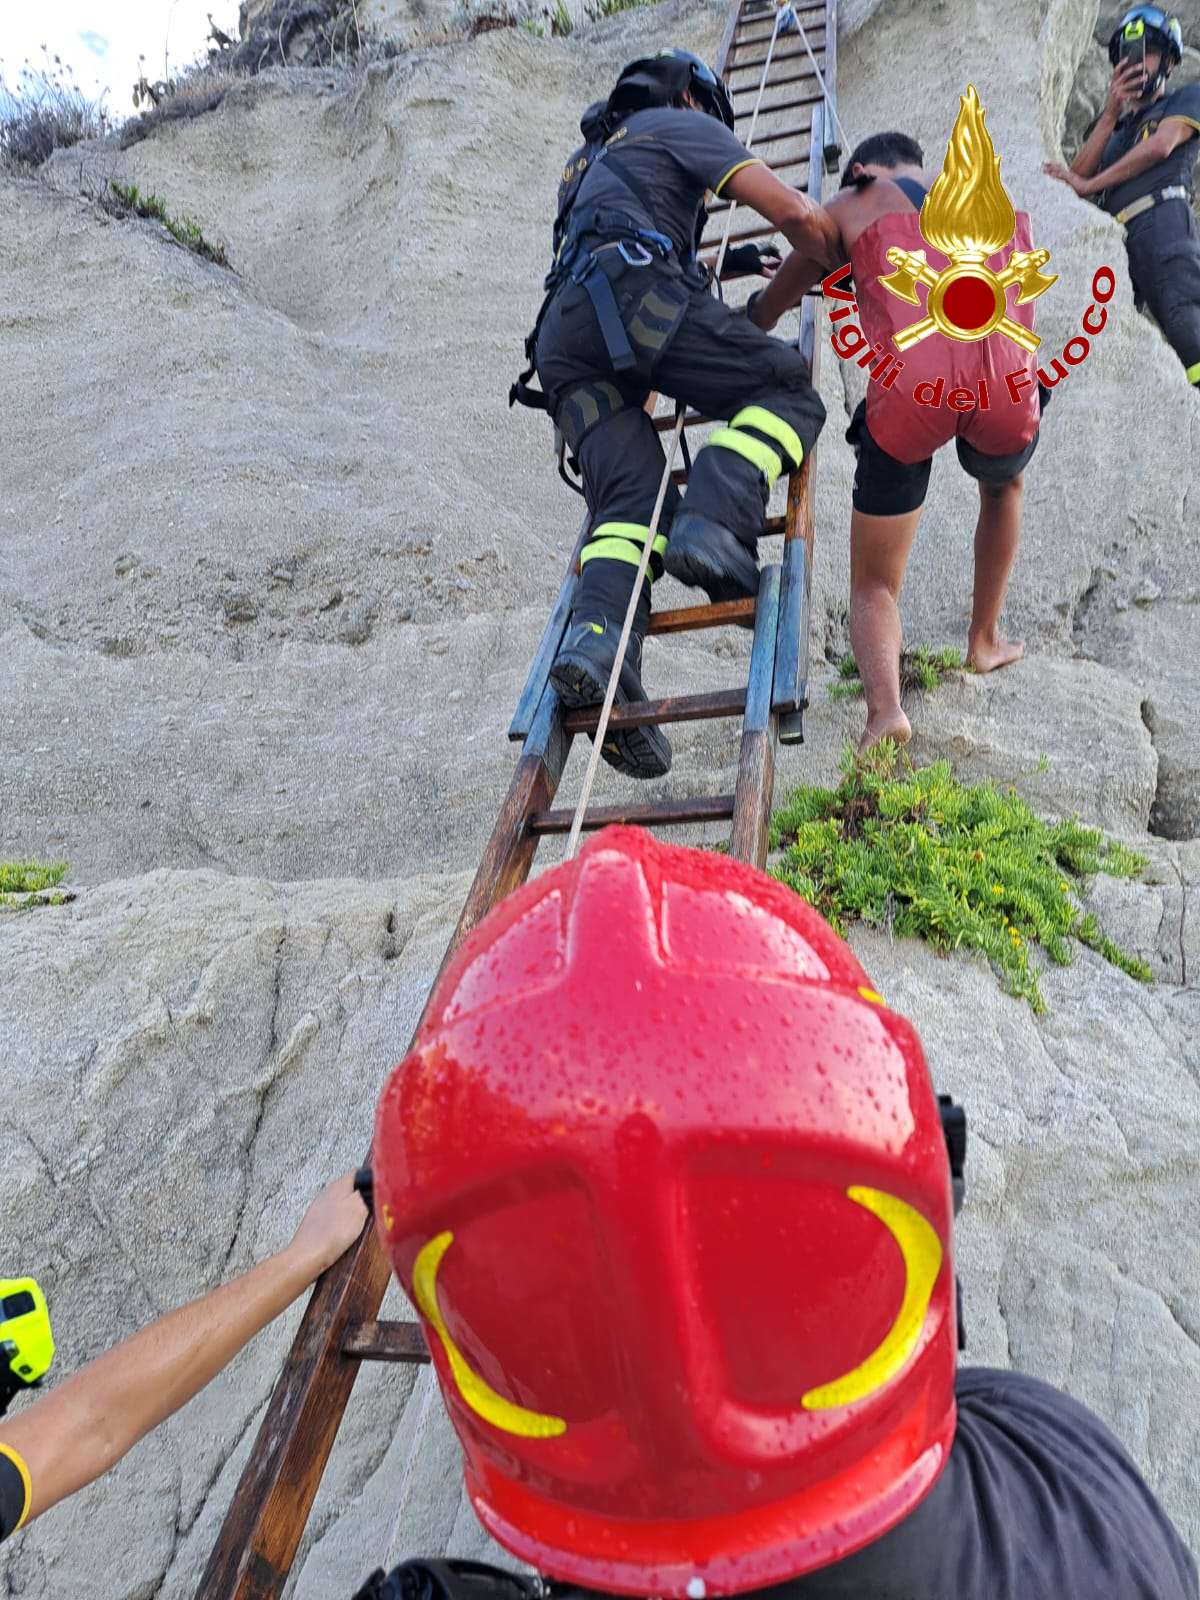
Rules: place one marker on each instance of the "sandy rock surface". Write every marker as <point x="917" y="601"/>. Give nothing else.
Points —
<point x="274" y="557"/>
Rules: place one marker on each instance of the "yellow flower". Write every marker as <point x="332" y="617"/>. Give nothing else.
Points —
<point x="997" y="888"/>
<point x="1063" y="887"/>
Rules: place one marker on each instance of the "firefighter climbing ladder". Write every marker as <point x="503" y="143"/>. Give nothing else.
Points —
<point x="758" y="59"/>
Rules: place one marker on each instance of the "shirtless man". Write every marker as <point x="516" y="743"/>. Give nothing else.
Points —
<point x="883" y="188"/>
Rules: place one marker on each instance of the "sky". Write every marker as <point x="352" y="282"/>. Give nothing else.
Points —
<point x="100" y="40"/>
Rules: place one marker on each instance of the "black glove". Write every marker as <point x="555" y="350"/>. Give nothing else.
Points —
<point x="748" y="260"/>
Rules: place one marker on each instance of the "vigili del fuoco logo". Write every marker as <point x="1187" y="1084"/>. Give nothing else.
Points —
<point x="967" y="217"/>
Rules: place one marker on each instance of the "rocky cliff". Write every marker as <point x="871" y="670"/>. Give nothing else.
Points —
<point x="274" y="556"/>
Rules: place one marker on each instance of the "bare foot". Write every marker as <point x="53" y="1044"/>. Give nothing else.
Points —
<point x="986" y="655"/>
<point x="888" y="725"/>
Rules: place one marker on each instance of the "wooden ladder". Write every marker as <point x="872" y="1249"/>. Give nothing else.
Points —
<point x="265" y="1522"/>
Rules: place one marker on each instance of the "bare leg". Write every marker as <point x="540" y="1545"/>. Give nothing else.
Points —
<point x="997" y="534"/>
<point x="879" y="549"/>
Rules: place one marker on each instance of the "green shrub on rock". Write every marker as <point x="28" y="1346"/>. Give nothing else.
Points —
<point x="961" y="866"/>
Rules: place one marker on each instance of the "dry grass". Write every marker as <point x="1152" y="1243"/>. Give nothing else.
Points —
<point x="45" y="111"/>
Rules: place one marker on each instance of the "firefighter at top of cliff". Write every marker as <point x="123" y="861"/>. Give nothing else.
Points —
<point x="628" y="311"/>
<point x="886" y="208"/>
<point x="685" y="1267"/>
<point x="1137" y="162"/>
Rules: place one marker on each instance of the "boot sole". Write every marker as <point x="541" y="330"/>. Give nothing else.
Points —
<point x="638" y="752"/>
<point x="694" y="570"/>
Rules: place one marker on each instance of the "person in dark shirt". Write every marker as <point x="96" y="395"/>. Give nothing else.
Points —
<point x="70" y="1436"/>
<point x="1137" y="162"/>
<point x="687" y="1277"/>
<point x="629" y="311"/>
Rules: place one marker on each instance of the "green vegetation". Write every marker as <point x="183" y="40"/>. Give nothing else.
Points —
<point x="24" y="884"/>
<point x="961" y="867"/>
<point x="920" y="668"/>
<point x="557" y="23"/>
<point x="125" y="200"/>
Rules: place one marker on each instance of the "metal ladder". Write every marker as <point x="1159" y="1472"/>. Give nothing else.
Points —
<point x="265" y="1522"/>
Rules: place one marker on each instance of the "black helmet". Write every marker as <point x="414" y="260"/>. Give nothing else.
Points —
<point x="1161" y="31"/>
<point x="661" y="79"/>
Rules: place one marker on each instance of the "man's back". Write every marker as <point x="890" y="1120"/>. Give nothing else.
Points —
<point x="855" y="209"/>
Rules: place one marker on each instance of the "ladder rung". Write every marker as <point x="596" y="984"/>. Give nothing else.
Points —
<point x="767" y="230"/>
<point x="774" y="138"/>
<point x="775" y="525"/>
<point x="763" y="22"/>
<point x="708" y="808"/>
<point x="784" y="55"/>
<point x="647" y="713"/>
<point x="686" y="619"/>
<point x="386" y="1341"/>
<point x="784" y="105"/>
<point x="775" y="83"/>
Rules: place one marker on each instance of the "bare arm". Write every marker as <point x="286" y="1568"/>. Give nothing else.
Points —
<point x="807" y="227"/>
<point x="786" y="289"/>
<point x="83" y="1427"/>
<point x="1145" y="154"/>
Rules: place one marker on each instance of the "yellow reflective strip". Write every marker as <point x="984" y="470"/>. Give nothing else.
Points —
<point x="751" y="161"/>
<point x="922" y="1252"/>
<point x="480" y="1396"/>
<point x="1193" y="372"/>
<point x="871" y="995"/>
<point x="611" y="550"/>
<point x="636" y="531"/>
<point x="659" y="547"/>
<point x="761" y="455"/>
<point x="767" y="422"/>
<point x="7" y="1450"/>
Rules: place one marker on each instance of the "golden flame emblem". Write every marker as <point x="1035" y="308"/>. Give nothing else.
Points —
<point x="968" y="216"/>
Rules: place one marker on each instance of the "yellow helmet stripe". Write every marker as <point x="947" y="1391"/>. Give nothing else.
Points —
<point x="922" y="1252"/>
<point x="480" y="1396"/>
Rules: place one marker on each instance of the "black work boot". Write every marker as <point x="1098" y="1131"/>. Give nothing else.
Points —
<point x="704" y="553"/>
<point x="581" y="672"/>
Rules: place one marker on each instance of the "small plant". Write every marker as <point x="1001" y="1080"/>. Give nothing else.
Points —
<point x="597" y="10"/>
<point x="25" y="884"/>
<point x="920" y="668"/>
<point x="44" y="112"/>
<point x="559" y="19"/>
<point x="960" y="866"/>
<point x="125" y="200"/>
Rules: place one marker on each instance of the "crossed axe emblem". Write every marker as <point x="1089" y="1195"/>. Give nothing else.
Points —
<point x="977" y="296"/>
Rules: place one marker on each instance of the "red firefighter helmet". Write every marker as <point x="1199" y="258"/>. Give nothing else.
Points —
<point x="667" y="1184"/>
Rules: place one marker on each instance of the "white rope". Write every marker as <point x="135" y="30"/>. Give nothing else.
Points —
<point x="790" y="12"/>
<point x="631" y="611"/>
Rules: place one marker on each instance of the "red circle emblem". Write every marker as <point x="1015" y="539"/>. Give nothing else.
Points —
<point x="969" y="302"/>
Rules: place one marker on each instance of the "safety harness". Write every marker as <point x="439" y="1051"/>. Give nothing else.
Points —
<point x="581" y="235"/>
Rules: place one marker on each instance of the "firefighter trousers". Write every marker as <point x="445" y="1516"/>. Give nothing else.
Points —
<point x="691" y="347"/>
<point x="1164" y="265"/>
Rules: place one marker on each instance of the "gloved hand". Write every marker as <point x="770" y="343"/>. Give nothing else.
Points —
<point x="746" y="260"/>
